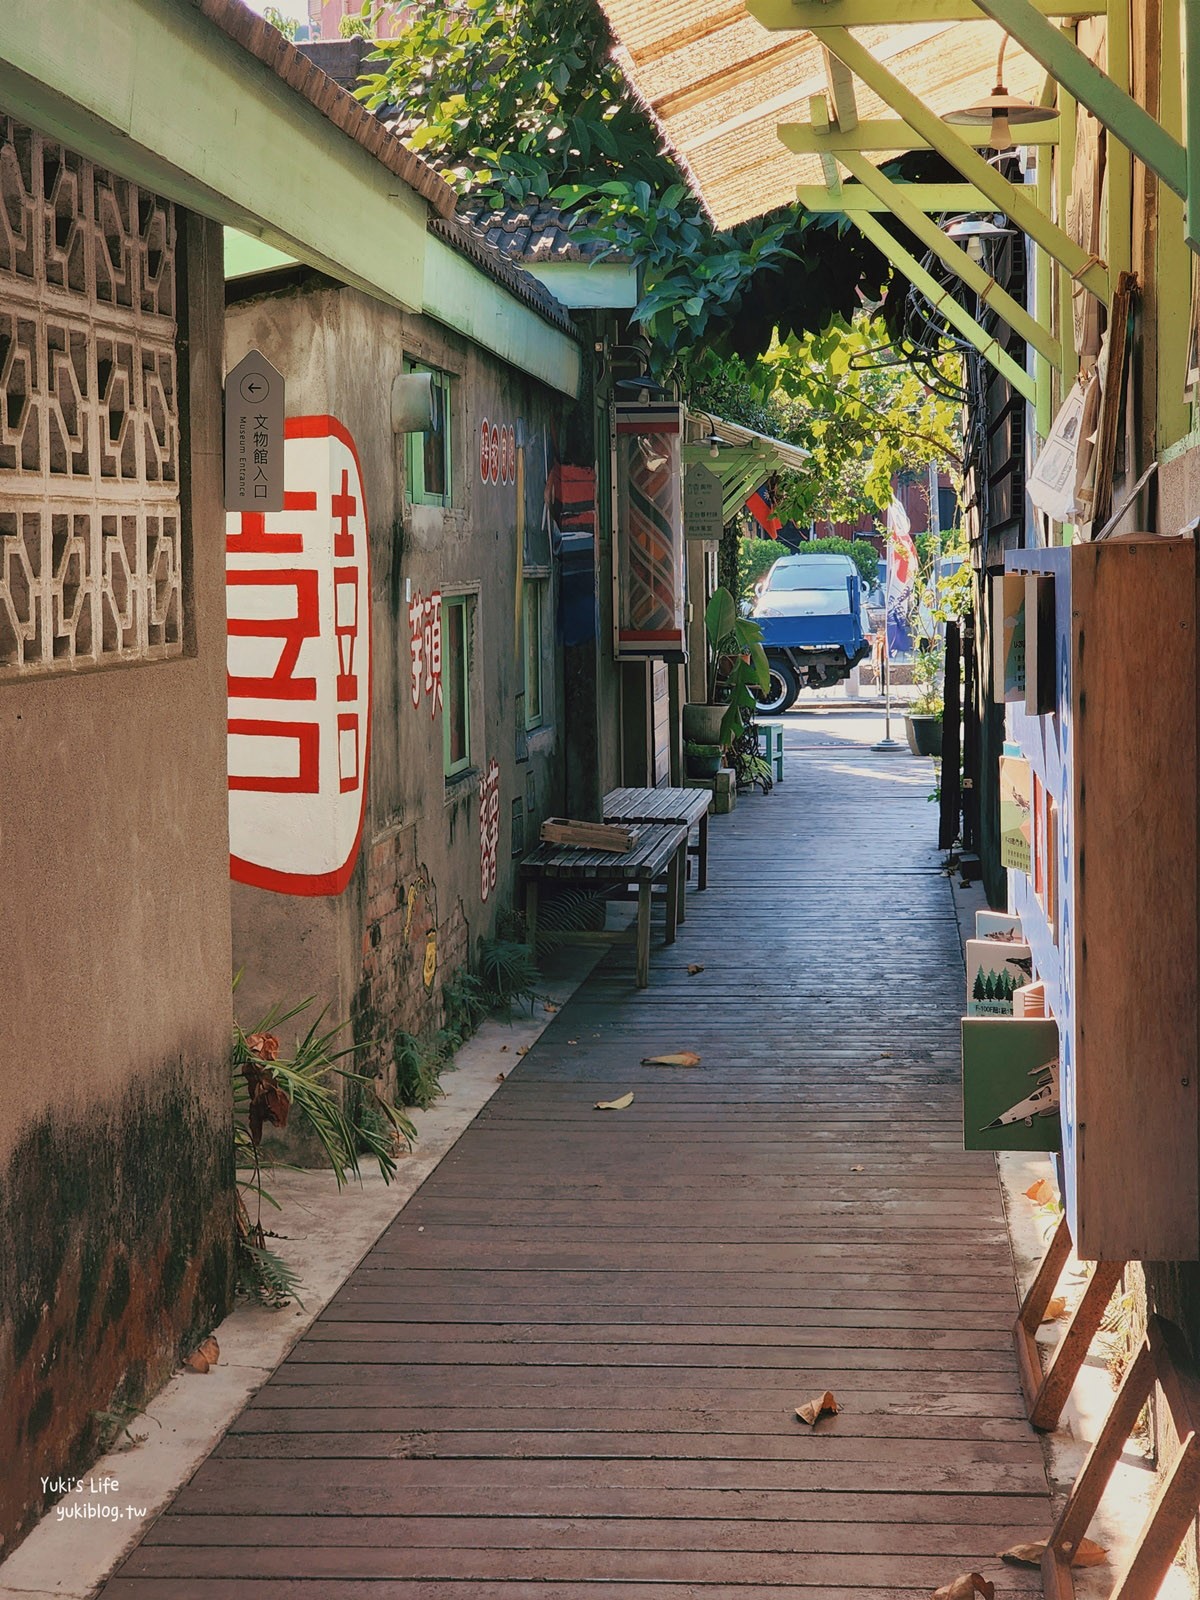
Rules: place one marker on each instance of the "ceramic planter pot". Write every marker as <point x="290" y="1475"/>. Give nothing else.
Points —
<point x="924" y="734"/>
<point x="702" y="724"/>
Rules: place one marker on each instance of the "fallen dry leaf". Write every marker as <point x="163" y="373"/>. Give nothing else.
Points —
<point x="1087" y="1554"/>
<point x="1055" y="1308"/>
<point x="683" y="1058"/>
<point x="263" y="1045"/>
<point x="963" y="1587"/>
<point x="210" y="1350"/>
<point x="858" y="1169"/>
<point x="572" y="1041"/>
<point x="503" y="1047"/>
<point x="615" y="1105"/>
<point x="1040" y="1193"/>
<point x="500" y="1077"/>
<point x="198" y="1363"/>
<point x="821" y="1405"/>
<point x="523" y="1050"/>
<point x="694" y="968"/>
<point x="548" y="1005"/>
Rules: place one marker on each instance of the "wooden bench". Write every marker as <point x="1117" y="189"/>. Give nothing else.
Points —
<point x="658" y="853"/>
<point x="688" y="806"/>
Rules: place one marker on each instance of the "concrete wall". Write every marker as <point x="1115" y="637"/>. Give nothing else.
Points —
<point x="115" y="1147"/>
<point x="364" y="952"/>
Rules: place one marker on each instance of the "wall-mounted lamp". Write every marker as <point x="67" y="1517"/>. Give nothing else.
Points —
<point x="413" y="402"/>
<point x="970" y="232"/>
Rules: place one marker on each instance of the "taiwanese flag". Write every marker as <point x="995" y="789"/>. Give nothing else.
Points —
<point x="761" y="506"/>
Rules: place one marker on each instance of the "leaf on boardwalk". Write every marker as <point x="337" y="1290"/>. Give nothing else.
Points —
<point x="210" y="1350"/>
<point x="821" y="1405"/>
<point x="964" y="1587"/>
<point x="682" y="1058"/>
<point x="858" y="1169"/>
<point x="500" y="1077"/>
<point x="694" y="968"/>
<point x="615" y="1105"/>
<point x="1040" y="1193"/>
<point x="548" y="1005"/>
<point x="1087" y="1554"/>
<point x="1055" y="1308"/>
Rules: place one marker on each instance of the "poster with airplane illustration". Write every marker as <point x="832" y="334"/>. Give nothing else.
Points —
<point x="1011" y="1095"/>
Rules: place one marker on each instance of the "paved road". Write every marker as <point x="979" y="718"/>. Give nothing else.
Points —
<point x="570" y="1367"/>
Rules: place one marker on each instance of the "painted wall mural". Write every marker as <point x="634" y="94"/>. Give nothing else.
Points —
<point x="299" y="653"/>
<point x="425" y="649"/>
<point x="489" y="827"/>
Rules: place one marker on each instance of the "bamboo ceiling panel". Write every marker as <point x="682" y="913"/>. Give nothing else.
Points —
<point x="720" y="83"/>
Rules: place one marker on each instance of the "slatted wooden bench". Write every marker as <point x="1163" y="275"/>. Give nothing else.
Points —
<point x="688" y="806"/>
<point x="659" y="853"/>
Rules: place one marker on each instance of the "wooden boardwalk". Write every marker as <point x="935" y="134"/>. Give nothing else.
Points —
<point x="570" y="1367"/>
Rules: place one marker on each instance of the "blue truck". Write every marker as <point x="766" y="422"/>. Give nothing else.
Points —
<point x="812" y="610"/>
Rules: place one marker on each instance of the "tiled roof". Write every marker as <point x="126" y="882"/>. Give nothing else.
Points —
<point x="531" y="234"/>
<point x="330" y="99"/>
<point x="505" y="270"/>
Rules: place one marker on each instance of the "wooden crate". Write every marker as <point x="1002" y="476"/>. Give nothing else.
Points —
<point x="618" y="837"/>
<point x="1116" y="940"/>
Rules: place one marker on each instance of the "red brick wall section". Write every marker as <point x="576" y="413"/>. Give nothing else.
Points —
<point x="407" y="951"/>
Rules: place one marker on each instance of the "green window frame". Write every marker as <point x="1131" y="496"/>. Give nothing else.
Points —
<point x="456" y="683"/>
<point x="429" y="455"/>
<point x="532" y="609"/>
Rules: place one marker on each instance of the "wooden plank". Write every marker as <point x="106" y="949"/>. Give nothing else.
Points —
<point x="581" y="1375"/>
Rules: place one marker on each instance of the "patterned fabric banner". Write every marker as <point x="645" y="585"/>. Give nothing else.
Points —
<point x="650" y="547"/>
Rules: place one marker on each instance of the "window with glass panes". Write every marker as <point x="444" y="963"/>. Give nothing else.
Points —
<point x="429" y="453"/>
<point x="456" y="683"/>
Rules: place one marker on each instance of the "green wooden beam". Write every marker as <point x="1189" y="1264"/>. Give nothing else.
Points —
<point x="818" y="115"/>
<point x="942" y="300"/>
<point x="944" y="139"/>
<point x="929" y="197"/>
<point x="1043" y="290"/>
<point x="955" y="257"/>
<point x="1190" y="27"/>
<point x="841" y="93"/>
<point x="1064" y="178"/>
<point x="1118" y="163"/>
<point x="893" y="133"/>
<point x="1120" y="113"/>
<point x="163" y="96"/>
<point x="883" y="13"/>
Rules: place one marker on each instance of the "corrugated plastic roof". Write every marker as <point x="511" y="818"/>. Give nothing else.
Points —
<point x="719" y="83"/>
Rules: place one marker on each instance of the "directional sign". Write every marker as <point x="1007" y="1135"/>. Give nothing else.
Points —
<point x="703" y="503"/>
<point x="254" y="436"/>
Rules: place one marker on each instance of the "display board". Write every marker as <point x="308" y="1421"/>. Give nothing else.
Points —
<point x="1109" y="909"/>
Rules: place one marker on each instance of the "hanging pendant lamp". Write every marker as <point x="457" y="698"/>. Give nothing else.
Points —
<point x="1001" y="110"/>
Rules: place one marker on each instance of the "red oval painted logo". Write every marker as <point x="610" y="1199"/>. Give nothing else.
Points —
<point x="298" y="590"/>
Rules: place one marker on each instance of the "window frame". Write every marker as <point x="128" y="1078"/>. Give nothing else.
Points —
<point x="414" y="459"/>
<point x="465" y="603"/>
<point x="535" y="585"/>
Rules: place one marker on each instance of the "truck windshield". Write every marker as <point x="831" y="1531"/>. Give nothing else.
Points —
<point x="818" y="602"/>
<point x="809" y="573"/>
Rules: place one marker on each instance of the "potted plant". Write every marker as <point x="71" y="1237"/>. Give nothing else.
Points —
<point x="736" y="664"/>
<point x="703" y="760"/>
<point x="923" y="718"/>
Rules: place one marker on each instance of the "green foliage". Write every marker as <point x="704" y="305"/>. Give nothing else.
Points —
<point x="360" y="26"/>
<point x="464" y="1005"/>
<point x="692" y="747"/>
<point x="508" y="972"/>
<point x="420" y="1061"/>
<point x="756" y="557"/>
<point x="737" y="661"/>
<point x="309" y="1088"/>
<point x="288" y="26"/>
<point x="521" y="100"/>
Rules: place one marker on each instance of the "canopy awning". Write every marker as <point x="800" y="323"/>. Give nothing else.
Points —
<point x="744" y="460"/>
<point x="720" y="84"/>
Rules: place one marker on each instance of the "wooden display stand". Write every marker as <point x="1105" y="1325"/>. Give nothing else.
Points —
<point x="1106" y="716"/>
<point x="1162" y="1359"/>
<point x="1046" y="1394"/>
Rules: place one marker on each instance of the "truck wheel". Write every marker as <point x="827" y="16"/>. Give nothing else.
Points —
<point x="781" y="691"/>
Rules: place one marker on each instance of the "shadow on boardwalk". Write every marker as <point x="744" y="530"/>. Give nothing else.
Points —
<point x="570" y="1367"/>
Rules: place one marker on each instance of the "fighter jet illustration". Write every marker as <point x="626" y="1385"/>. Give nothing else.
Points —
<point x="1043" y="1102"/>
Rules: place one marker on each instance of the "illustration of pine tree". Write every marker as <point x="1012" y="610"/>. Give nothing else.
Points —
<point x="977" y="991"/>
<point x="989" y="986"/>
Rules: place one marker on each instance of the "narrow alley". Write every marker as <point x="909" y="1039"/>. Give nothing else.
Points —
<point x="572" y="1364"/>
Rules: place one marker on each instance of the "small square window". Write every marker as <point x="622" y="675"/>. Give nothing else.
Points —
<point x="531" y="650"/>
<point x="429" y="453"/>
<point x="456" y="678"/>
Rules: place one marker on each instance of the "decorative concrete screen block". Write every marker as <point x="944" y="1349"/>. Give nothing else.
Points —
<point x="90" y="531"/>
<point x="298" y="588"/>
<point x="649" y="531"/>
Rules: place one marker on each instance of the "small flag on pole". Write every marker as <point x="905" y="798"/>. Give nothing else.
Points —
<point x="901" y="574"/>
<point x="761" y="506"/>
